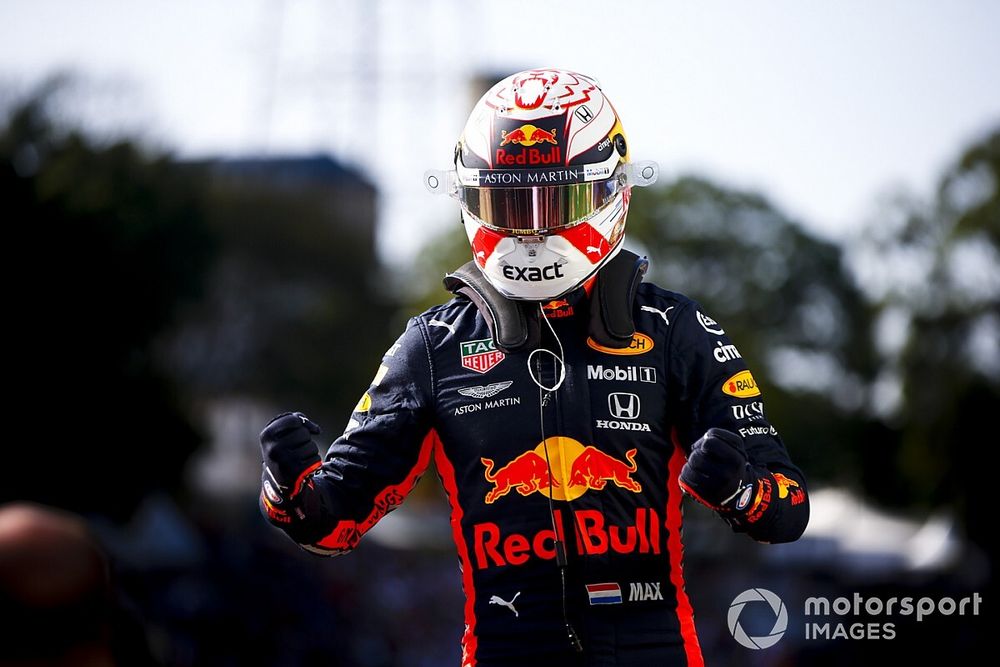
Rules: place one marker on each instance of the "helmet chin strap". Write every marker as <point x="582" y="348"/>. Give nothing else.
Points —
<point x="516" y="325"/>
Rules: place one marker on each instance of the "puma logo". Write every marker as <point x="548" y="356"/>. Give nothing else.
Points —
<point x="439" y="323"/>
<point x="496" y="599"/>
<point x="661" y="313"/>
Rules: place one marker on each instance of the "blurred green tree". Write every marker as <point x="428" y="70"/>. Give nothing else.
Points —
<point x="104" y="243"/>
<point x="787" y="299"/>
<point x="933" y="269"/>
<point x="294" y="316"/>
<point x="156" y="290"/>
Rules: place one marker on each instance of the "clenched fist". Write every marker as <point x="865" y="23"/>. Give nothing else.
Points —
<point x="290" y="456"/>
<point x="717" y="473"/>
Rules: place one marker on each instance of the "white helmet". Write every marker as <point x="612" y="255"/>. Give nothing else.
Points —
<point x="543" y="174"/>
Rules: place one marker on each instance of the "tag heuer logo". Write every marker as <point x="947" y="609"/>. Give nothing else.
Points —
<point x="480" y="355"/>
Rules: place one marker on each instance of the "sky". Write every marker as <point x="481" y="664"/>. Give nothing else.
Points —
<point x="825" y="107"/>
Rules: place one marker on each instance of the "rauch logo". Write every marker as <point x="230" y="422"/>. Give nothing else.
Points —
<point x="640" y="344"/>
<point x="741" y="385"/>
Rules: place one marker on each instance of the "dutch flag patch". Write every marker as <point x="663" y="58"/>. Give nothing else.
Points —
<point x="604" y="593"/>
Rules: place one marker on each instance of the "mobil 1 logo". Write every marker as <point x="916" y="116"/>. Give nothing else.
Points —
<point x="621" y="373"/>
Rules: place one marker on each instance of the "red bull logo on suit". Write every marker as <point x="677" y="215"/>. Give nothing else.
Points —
<point x="567" y="470"/>
<point x="593" y="535"/>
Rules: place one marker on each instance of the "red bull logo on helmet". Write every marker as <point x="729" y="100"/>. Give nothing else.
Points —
<point x="566" y="471"/>
<point x="531" y="142"/>
<point x="528" y="135"/>
<point x="530" y="156"/>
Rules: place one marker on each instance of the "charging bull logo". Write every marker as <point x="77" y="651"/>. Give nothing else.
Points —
<point x="557" y="308"/>
<point x="527" y="473"/>
<point x="788" y="486"/>
<point x="594" y="469"/>
<point x="528" y="153"/>
<point x="566" y="471"/>
<point x="528" y="135"/>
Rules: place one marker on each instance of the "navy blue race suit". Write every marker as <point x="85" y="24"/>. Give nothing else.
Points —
<point x="608" y="446"/>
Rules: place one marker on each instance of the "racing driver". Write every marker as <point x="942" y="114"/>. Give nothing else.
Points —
<point x="567" y="405"/>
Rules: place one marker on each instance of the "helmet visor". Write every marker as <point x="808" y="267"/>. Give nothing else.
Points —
<point x="538" y="209"/>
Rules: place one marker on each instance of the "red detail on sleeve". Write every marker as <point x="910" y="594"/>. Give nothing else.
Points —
<point x="301" y="479"/>
<point x="691" y="492"/>
<point x="348" y="533"/>
<point x="341" y="539"/>
<point x="447" y="472"/>
<point x="685" y="614"/>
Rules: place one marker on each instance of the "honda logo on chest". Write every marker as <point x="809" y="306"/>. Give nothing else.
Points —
<point x="623" y="405"/>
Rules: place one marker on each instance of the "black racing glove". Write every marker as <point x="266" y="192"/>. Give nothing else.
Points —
<point x="717" y="473"/>
<point x="290" y="457"/>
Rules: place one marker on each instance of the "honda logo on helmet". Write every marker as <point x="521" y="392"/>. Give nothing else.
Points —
<point x="623" y="405"/>
<point x="584" y="114"/>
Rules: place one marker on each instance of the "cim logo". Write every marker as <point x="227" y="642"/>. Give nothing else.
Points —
<point x="640" y="344"/>
<point x="567" y="471"/>
<point x="724" y="353"/>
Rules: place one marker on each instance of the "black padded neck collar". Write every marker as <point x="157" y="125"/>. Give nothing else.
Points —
<point x="516" y="325"/>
